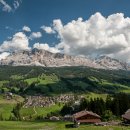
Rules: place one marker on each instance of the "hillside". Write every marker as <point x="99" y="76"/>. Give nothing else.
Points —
<point x="34" y="80"/>
<point x="45" y="90"/>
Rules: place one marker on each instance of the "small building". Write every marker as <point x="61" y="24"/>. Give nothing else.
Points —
<point x="86" y="117"/>
<point x="68" y="118"/>
<point x="126" y="116"/>
<point x="8" y="95"/>
<point x="54" y="118"/>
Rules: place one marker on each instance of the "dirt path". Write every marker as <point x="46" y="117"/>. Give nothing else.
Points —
<point x="35" y="113"/>
<point x="34" y="109"/>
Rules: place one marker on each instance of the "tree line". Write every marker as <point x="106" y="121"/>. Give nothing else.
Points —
<point x="113" y="107"/>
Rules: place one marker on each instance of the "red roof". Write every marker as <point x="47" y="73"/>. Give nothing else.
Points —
<point x="83" y="113"/>
<point x="126" y="115"/>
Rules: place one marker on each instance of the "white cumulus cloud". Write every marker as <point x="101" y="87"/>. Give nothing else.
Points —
<point x="18" y="42"/>
<point x="48" y="30"/>
<point x="93" y="37"/>
<point x="35" y="35"/>
<point x="4" y="55"/>
<point x="98" y="35"/>
<point x="45" y="46"/>
<point x="26" y="29"/>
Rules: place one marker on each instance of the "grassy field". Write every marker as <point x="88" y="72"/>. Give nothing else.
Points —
<point x="44" y="79"/>
<point x="26" y="112"/>
<point x="6" y="106"/>
<point x="5" y="110"/>
<point x="95" y="95"/>
<point x="110" y="85"/>
<point x="14" y="125"/>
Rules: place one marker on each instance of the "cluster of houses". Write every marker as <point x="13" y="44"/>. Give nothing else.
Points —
<point x="79" y="117"/>
<point x="44" y="101"/>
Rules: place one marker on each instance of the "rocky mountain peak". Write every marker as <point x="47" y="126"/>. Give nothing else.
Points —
<point x="40" y="57"/>
<point x="111" y="63"/>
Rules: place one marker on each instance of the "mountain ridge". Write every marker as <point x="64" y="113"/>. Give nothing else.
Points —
<point x="39" y="57"/>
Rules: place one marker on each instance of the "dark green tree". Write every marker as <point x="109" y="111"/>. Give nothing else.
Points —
<point x="16" y="111"/>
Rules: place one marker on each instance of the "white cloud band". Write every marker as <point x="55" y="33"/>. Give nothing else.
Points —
<point x="18" y="42"/>
<point x="98" y="35"/>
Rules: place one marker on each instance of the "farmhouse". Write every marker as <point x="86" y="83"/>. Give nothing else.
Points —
<point x="126" y="116"/>
<point x="86" y="117"/>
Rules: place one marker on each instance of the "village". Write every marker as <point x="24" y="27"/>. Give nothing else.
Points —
<point x="80" y="117"/>
<point x="45" y="101"/>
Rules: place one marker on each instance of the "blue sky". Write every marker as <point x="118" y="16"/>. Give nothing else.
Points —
<point x="15" y="14"/>
<point x="35" y="13"/>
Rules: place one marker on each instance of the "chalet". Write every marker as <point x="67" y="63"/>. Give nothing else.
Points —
<point x="126" y="116"/>
<point x="86" y="117"/>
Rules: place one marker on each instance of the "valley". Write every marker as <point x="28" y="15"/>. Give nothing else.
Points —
<point x="64" y="64"/>
<point x="35" y="93"/>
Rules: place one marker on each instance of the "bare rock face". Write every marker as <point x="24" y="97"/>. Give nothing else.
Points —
<point x="111" y="63"/>
<point x="37" y="57"/>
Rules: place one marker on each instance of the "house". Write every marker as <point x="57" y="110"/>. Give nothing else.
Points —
<point x="8" y="95"/>
<point x="126" y="116"/>
<point x="86" y="117"/>
<point x="54" y="118"/>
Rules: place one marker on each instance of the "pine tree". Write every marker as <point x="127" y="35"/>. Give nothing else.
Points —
<point x="1" y="117"/>
<point x="108" y="102"/>
<point x="84" y="104"/>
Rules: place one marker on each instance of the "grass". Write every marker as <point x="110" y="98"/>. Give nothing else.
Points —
<point x="95" y="95"/>
<point x="6" y="106"/>
<point x="15" y="100"/>
<point x="126" y="91"/>
<point x="44" y="111"/>
<point x="109" y="85"/>
<point x="26" y="112"/>
<point x="44" y="79"/>
<point x="5" y="110"/>
<point x="22" y="125"/>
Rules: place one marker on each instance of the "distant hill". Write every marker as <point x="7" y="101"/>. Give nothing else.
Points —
<point x="33" y="80"/>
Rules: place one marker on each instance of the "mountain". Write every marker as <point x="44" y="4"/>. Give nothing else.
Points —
<point x="108" y="62"/>
<point x="37" y="57"/>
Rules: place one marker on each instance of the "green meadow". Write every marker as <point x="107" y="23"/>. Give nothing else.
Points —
<point x="21" y="125"/>
<point x="39" y="111"/>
